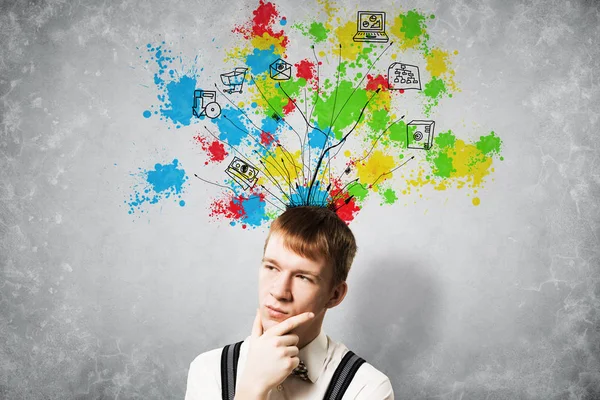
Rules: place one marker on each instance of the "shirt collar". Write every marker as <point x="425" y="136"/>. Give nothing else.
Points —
<point x="313" y="355"/>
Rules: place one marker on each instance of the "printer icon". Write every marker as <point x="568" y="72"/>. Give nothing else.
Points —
<point x="280" y="70"/>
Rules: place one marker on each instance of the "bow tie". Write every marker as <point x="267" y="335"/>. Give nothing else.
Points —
<point x="300" y="371"/>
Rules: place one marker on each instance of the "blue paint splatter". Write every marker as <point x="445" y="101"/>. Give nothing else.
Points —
<point x="260" y="60"/>
<point x="232" y="125"/>
<point x="175" y="86"/>
<point x="316" y="139"/>
<point x="254" y="210"/>
<point x="270" y="126"/>
<point x="161" y="183"/>
<point x="181" y="97"/>
<point x="318" y="195"/>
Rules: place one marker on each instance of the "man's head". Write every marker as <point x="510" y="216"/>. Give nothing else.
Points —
<point x="306" y="260"/>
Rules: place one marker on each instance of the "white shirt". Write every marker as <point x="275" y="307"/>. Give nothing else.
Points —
<point x="321" y="357"/>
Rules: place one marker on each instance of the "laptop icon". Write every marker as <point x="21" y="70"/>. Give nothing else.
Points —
<point x="371" y="27"/>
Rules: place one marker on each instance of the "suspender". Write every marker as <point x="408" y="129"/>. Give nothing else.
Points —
<point x="229" y="363"/>
<point x="342" y="376"/>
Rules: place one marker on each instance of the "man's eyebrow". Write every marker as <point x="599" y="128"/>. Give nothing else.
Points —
<point x="272" y="261"/>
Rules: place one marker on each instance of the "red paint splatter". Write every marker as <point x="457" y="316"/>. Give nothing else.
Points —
<point x="228" y="208"/>
<point x="265" y="16"/>
<point x="289" y="107"/>
<point x="344" y="204"/>
<point x="215" y="149"/>
<point x="266" y="138"/>
<point x="373" y="83"/>
<point x="305" y="69"/>
<point x="232" y="207"/>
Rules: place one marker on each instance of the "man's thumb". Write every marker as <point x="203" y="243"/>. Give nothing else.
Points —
<point x="257" y="328"/>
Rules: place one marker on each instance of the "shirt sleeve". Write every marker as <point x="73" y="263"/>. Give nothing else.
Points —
<point x="376" y="391"/>
<point x="201" y="382"/>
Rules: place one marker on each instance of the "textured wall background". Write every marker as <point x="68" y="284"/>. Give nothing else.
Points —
<point x="452" y="301"/>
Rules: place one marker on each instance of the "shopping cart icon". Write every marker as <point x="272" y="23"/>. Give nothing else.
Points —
<point x="208" y="106"/>
<point x="234" y="79"/>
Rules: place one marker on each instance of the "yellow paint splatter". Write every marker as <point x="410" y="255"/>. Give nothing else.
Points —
<point x="283" y="166"/>
<point x="438" y="64"/>
<point x="343" y="35"/>
<point x="330" y="9"/>
<point x="469" y="163"/>
<point x="381" y="100"/>
<point x="269" y="91"/>
<point x="265" y="42"/>
<point x="374" y="167"/>
<point x="476" y="201"/>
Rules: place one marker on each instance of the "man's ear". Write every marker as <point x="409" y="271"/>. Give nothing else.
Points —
<point x="337" y="295"/>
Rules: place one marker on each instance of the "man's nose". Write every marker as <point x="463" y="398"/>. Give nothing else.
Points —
<point x="281" y="287"/>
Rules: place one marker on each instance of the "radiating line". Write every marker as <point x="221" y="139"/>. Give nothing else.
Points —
<point x="361" y="81"/>
<point x="273" y="108"/>
<point x="341" y="141"/>
<point x="256" y="126"/>
<point x="241" y="155"/>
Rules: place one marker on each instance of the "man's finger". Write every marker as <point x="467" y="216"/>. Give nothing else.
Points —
<point x="257" y="328"/>
<point x="290" y="323"/>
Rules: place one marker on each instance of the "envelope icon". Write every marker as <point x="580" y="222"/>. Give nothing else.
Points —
<point x="280" y="70"/>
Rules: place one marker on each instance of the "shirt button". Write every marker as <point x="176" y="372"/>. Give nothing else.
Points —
<point x="280" y="387"/>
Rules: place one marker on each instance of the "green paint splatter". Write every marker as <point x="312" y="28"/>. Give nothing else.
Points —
<point x="489" y="143"/>
<point x="398" y="134"/>
<point x="412" y="24"/>
<point x="344" y="117"/>
<point x="359" y="191"/>
<point x="433" y="90"/>
<point x="445" y="139"/>
<point x="280" y="100"/>
<point x="378" y="121"/>
<point x="390" y="196"/>
<point x="318" y="31"/>
<point x="443" y="165"/>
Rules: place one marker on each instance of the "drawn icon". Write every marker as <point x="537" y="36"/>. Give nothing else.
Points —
<point x="371" y="27"/>
<point x="208" y="106"/>
<point x="234" y="79"/>
<point x="403" y="76"/>
<point x="280" y="70"/>
<point x="419" y="134"/>
<point x="243" y="173"/>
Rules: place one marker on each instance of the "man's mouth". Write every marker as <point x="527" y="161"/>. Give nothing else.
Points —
<point x="275" y="312"/>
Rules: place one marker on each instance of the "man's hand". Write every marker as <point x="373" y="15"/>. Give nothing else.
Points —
<point x="272" y="355"/>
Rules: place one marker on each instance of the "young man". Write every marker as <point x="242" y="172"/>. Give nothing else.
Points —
<point x="307" y="257"/>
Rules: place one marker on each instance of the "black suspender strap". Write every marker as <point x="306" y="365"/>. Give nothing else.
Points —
<point x="343" y="375"/>
<point x="229" y="363"/>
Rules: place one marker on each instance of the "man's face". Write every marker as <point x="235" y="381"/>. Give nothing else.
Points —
<point x="294" y="285"/>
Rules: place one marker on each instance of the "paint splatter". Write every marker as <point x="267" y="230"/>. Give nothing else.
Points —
<point x="215" y="150"/>
<point x="328" y="134"/>
<point x="175" y="84"/>
<point x="248" y="211"/>
<point x="163" y="182"/>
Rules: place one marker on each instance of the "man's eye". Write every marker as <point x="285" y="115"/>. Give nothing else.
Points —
<point x="269" y="267"/>
<point x="304" y="278"/>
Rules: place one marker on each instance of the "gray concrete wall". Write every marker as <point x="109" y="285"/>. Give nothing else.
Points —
<point x="452" y="301"/>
